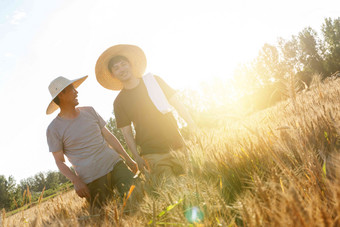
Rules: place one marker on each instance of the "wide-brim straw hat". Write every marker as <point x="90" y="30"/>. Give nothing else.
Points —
<point x="133" y="53"/>
<point x="59" y="84"/>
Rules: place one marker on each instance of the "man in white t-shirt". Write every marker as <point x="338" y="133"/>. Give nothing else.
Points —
<point x="95" y="154"/>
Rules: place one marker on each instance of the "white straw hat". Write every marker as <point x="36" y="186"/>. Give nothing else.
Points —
<point x="133" y="53"/>
<point x="59" y="84"/>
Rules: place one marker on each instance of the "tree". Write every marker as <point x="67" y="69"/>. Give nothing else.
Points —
<point x="39" y="182"/>
<point x="28" y="182"/>
<point x="52" y="180"/>
<point x="112" y="127"/>
<point x="331" y="34"/>
<point x="7" y="187"/>
<point x="62" y="178"/>
<point x="267" y="65"/>
<point x="289" y="55"/>
<point x="309" y="54"/>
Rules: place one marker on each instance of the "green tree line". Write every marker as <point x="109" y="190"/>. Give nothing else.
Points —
<point x="290" y="64"/>
<point x="13" y="196"/>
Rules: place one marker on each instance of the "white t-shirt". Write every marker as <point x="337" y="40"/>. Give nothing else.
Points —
<point x="83" y="144"/>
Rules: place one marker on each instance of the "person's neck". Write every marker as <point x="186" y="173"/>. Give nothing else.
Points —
<point x="132" y="83"/>
<point x="68" y="112"/>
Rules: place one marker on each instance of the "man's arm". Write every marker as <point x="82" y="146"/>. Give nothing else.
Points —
<point x="116" y="145"/>
<point x="80" y="187"/>
<point x="182" y="111"/>
<point x="130" y="141"/>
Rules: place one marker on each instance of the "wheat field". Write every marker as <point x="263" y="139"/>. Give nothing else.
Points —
<point x="276" y="167"/>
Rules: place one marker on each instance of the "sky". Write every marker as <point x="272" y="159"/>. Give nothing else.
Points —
<point x="186" y="42"/>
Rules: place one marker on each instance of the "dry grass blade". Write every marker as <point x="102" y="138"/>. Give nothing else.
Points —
<point x="41" y="196"/>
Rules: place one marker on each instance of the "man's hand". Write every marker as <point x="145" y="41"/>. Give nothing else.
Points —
<point x="81" y="189"/>
<point x="132" y="165"/>
<point x="130" y="141"/>
<point x="141" y="164"/>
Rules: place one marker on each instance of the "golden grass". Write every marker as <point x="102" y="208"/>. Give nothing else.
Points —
<point x="277" y="167"/>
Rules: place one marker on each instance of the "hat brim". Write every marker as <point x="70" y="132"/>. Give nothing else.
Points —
<point x="134" y="54"/>
<point x="76" y="83"/>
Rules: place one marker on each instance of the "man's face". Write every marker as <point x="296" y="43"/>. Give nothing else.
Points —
<point x="69" y="96"/>
<point x="122" y="70"/>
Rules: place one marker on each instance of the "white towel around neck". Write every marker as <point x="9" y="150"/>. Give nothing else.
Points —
<point x="156" y="94"/>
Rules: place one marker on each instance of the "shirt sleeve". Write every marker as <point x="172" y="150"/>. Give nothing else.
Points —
<point x="168" y="91"/>
<point x="99" y="118"/>
<point x="122" y="119"/>
<point x="54" y="141"/>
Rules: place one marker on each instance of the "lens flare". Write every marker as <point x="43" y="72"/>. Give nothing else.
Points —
<point x="194" y="215"/>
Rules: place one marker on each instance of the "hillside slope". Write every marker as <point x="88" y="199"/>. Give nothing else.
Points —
<point x="278" y="167"/>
